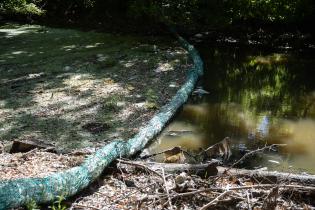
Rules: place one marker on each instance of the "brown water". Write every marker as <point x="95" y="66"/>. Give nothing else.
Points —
<point x="254" y="98"/>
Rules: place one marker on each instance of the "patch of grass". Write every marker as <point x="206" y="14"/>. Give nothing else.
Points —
<point x="110" y="104"/>
<point x="32" y="205"/>
<point x="55" y="81"/>
<point x="58" y="204"/>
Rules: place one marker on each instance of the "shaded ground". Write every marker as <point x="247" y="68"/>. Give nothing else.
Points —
<point x="78" y="89"/>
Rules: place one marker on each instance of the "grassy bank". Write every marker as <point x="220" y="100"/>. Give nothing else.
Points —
<point x="78" y="89"/>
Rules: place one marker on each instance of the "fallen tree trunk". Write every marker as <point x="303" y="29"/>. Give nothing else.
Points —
<point x="262" y="175"/>
<point x="15" y="193"/>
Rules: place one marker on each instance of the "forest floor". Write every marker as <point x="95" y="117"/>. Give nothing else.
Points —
<point x="75" y="91"/>
<point x="130" y="184"/>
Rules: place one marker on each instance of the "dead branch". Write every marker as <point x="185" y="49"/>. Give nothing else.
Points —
<point x="141" y="165"/>
<point x="166" y="189"/>
<point x="273" y="176"/>
<point x="270" y="147"/>
<point x="260" y="186"/>
<point x="270" y="201"/>
<point x="209" y="167"/>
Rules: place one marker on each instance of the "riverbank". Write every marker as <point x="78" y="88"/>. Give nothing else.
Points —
<point x="77" y="91"/>
<point x="95" y="164"/>
<point x="123" y="188"/>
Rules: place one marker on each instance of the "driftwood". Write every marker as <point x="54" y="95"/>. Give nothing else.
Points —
<point x="269" y="176"/>
<point x="204" y="170"/>
<point x="212" y="169"/>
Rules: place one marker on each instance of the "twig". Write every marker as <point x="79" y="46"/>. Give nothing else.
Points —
<point x="270" y="201"/>
<point x="248" y="201"/>
<point x="85" y="207"/>
<point x="166" y="189"/>
<point x="146" y="198"/>
<point x="132" y="193"/>
<point x="215" y="200"/>
<point x="141" y="166"/>
<point x="29" y="152"/>
<point x="251" y="153"/>
<point x="244" y="188"/>
<point x="75" y="203"/>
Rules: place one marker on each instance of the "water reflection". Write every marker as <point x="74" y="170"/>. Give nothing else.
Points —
<point x="255" y="98"/>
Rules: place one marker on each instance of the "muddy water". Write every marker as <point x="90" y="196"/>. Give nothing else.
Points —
<point x="255" y="97"/>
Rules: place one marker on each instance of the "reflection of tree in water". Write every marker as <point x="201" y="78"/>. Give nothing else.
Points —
<point x="216" y="121"/>
<point x="250" y="96"/>
<point x="280" y="84"/>
<point x="259" y="97"/>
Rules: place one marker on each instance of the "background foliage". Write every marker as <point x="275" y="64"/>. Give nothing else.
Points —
<point x="186" y="13"/>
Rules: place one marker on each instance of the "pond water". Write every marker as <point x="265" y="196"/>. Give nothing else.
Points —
<point x="255" y="97"/>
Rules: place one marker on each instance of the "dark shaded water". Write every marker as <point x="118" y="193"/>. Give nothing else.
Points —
<point x="255" y="97"/>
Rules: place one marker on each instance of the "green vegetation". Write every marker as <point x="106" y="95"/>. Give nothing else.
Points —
<point x="274" y="83"/>
<point x="192" y="14"/>
<point x="77" y="89"/>
<point x="21" y="7"/>
<point x="58" y="204"/>
<point x="32" y="205"/>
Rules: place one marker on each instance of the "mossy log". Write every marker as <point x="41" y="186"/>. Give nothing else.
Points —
<point x="15" y="193"/>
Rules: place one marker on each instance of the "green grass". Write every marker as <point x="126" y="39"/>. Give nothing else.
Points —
<point x="55" y="81"/>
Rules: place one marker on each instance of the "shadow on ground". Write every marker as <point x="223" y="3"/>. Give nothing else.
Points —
<point x="78" y="89"/>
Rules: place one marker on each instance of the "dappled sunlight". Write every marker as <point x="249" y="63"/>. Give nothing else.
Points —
<point x="125" y="110"/>
<point x="178" y="51"/>
<point x="129" y="63"/>
<point x="18" y="52"/>
<point x="69" y="47"/>
<point x="80" y="47"/>
<point x="12" y="32"/>
<point x="22" y="78"/>
<point x="93" y="45"/>
<point x="76" y="89"/>
<point x="163" y="67"/>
